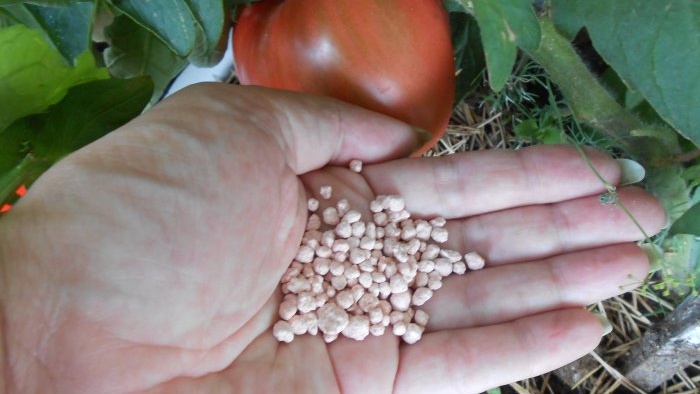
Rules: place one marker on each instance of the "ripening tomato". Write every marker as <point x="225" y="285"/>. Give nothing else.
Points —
<point x="390" y="56"/>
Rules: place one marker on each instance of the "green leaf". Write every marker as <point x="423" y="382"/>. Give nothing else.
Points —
<point x="668" y="186"/>
<point x="634" y="102"/>
<point x="692" y="176"/>
<point x="689" y="223"/>
<point x="469" y="54"/>
<point x="209" y="16"/>
<point x="67" y="28"/>
<point x="135" y="52"/>
<point x="23" y="174"/>
<point x="13" y="145"/>
<point x="680" y="266"/>
<point x="552" y="136"/>
<point x="531" y="130"/>
<point x="169" y="20"/>
<point x="505" y="24"/>
<point x="31" y="145"/>
<point x="88" y="112"/>
<point x="5" y="20"/>
<point x="528" y="130"/>
<point x="566" y="17"/>
<point x="655" y="47"/>
<point x="33" y="75"/>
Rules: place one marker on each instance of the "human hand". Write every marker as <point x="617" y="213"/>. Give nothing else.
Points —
<point x="149" y="260"/>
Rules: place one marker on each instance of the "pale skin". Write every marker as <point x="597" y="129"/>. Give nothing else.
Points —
<point x="149" y="261"/>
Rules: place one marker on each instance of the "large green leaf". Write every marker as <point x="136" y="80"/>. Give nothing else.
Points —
<point x="29" y="146"/>
<point x="469" y="54"/>
<point x="170" y="20"/>
<point x="33" y="75"/>
<point x="654" y="46"/>
<point x="689" y="223"/>
<point x="134" y="52"/>
<point x="566" y="15"/>
<point x="88" y="112"/>
<point x="209" y="15"/>
<point x="66" y="27"/>
<point x="505" y="25"/>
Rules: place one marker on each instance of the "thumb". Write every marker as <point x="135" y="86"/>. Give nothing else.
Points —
<point x="313" y="131"/>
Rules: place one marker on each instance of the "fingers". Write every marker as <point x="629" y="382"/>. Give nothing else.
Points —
<point x="505" y="293"/>
<point x="532" y="232"/>
<point x="476" y="359"/>
<point x="310" y="131"/>
<point x="478" y="182"/>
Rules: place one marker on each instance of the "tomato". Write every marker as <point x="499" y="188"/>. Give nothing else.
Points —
<point x="390" y="56"/>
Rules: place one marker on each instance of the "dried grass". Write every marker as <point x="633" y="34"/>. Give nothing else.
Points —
<point x="474" y="129"/>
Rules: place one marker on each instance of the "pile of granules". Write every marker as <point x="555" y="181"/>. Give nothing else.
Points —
<point x="358" y="278"/>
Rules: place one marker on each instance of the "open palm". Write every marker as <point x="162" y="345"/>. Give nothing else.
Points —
<point x="149" y="260"/>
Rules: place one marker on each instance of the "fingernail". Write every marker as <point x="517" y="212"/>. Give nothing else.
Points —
<point x="422" y="136"/>
<point x="630" y="171"/>
<point x="607" y="327"/>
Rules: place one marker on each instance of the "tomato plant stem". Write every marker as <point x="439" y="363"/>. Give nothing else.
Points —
<point x="590" y="100"/>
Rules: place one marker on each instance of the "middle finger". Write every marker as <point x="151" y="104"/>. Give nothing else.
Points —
<point x="504" y="293"/>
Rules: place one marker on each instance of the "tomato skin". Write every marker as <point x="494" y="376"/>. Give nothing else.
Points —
<point x="390" y="56"/>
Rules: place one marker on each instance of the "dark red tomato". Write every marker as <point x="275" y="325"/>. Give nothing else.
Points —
<point x="391" y="56"/>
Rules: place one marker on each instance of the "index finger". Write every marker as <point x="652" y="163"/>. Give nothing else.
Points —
<point x="307" y="131"/>
<point x="479" y="182"/>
